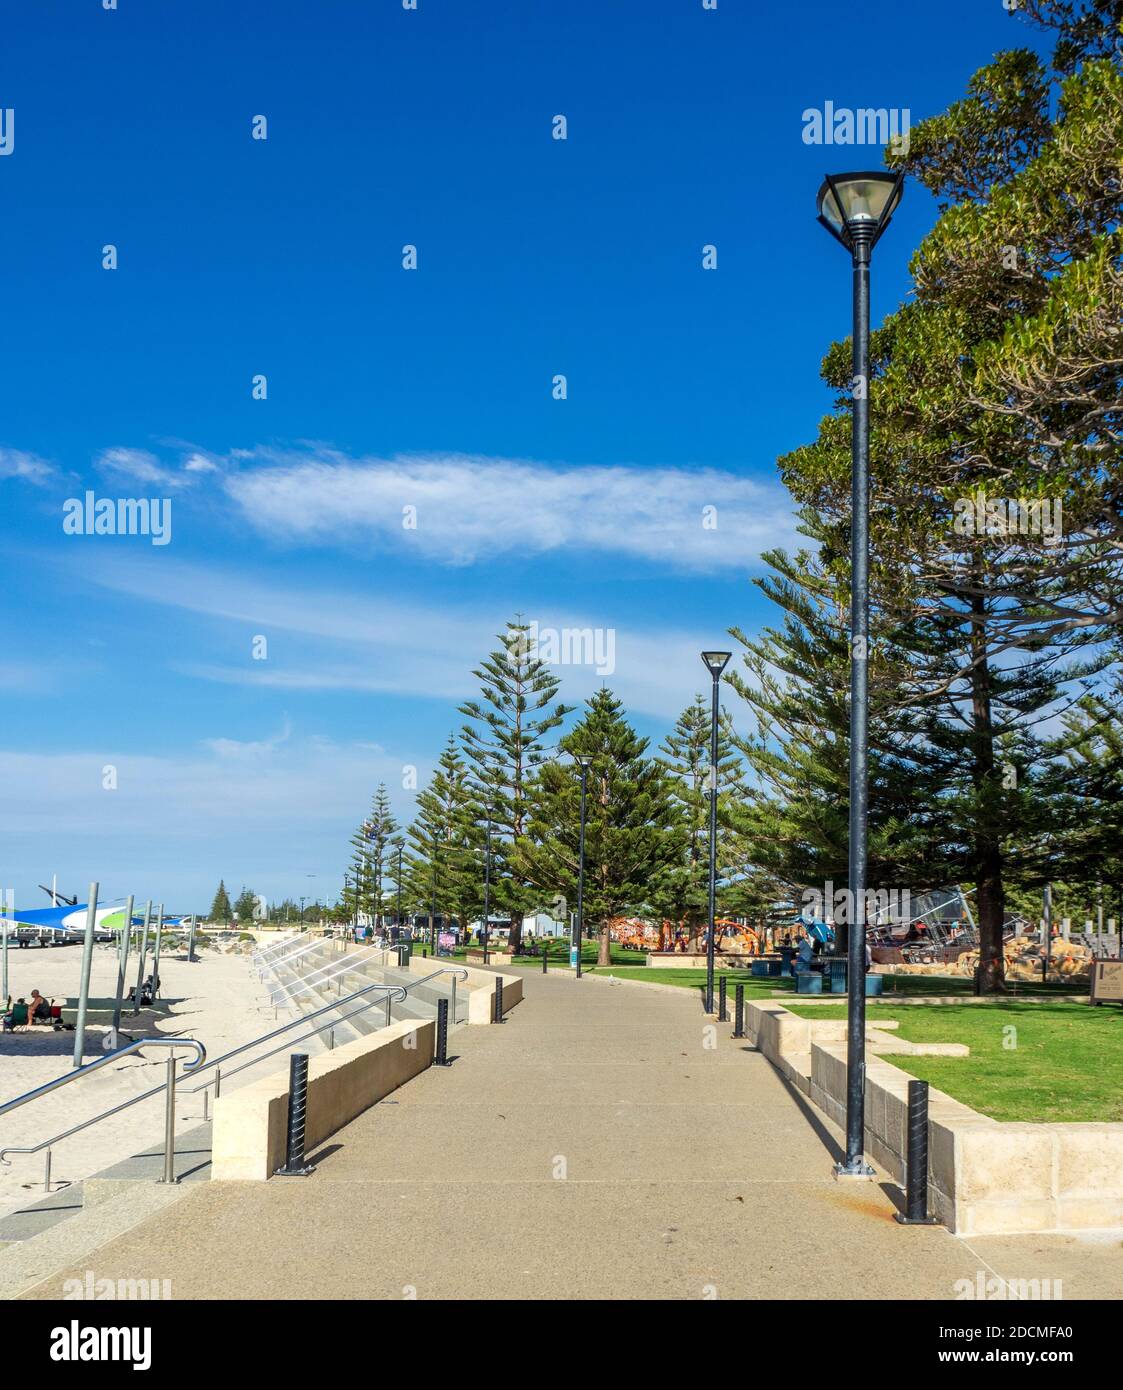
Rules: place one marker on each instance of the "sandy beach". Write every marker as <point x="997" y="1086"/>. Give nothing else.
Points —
<point x="218" y="999"/>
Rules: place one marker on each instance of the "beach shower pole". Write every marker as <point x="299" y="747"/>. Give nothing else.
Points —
<point x="191" y="941"/>
<point x="140" y="958"/>
<point x="156" y="953"/>
<point x="84" y="984"/>
<point x="122" y="963"/>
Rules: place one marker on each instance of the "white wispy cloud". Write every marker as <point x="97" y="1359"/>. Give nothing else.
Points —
<point x="138" y="466"/>
<point x="469" y="507"/>
<point x="18" y="463"/>
<point x="427" y="648"/>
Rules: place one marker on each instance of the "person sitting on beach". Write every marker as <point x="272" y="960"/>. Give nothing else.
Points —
<point x="38" y="1010"/>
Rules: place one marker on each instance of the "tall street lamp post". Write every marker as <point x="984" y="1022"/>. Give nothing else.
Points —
<point x="487" y="880"/>
<point x="715" y="663"/>
<point x="855" y="209"/>
<point x="398" y="884"/>
<point x="579" y="921"/>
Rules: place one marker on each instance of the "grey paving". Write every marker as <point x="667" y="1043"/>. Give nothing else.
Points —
<point x="604" y="1142"/>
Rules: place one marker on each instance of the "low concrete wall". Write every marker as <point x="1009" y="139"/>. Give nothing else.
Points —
<point x="480" y="985"/>
<point x="681" y="960"/>
<point x="248" y="1140"/>
<point x="985" y="1176"/>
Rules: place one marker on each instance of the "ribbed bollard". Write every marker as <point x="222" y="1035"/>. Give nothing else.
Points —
<point x="295" y="1167"/>
<point x="722" y="1012"/>
<point x="441" y="1059"/>
<point x="499" y="999"/>
<point x="545" y="959"/>
<point x="916" y="1177"/>
<point x="739" y="1013"/>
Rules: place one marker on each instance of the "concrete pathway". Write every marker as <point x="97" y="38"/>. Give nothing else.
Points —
<point x="607" y="1141"/>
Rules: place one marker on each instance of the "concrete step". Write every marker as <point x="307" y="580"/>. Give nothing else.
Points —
<point x="29" y="1262"/>
<point x="192" y="1164"/>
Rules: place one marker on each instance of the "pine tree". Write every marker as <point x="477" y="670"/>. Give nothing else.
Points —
<point x="444" y="869"/>
<point x="246" y="905"/>
<point x="1000" y="381"/>
<point x="686" y="760"/>
<point x="371" y="846"/>
<point x="634" y="837"/>
<point x="221" y="910"/>
<point x="505" y="742"/>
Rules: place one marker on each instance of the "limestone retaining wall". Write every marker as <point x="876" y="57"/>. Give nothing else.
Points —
<point x="985" y="1176"/>
<point x="248" y="1140"/>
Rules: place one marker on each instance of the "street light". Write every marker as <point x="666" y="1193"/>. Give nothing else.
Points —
<point x="489" y="812"/>
<point x="855" y="209"/>
<point x="579" y="922"/>
<point x="398" y="882"/>
<point x="715" y="663"/>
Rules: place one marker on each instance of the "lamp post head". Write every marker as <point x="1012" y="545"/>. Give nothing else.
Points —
<point x="856" y="208"/>
<point x="716" y="662"/>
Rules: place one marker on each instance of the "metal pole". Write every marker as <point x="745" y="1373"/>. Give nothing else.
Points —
<point x="1048" y="931"/>
<point x="855" y="1164"/>
<point x="84" y="985"/>
<point x="398" y="922"/>
<point x="712" y="908"/>
<point x="916" y="1176"/>
<point x="722" y="1012"/>
<point x="140" y="958"/>
<point x="487" y="883"/>
<point x="579" y="921"/>
<point x="122" y="963"/>
<point x="156" y="953"/>
<point x="498" y="999"/>
<point x="739" y="1013"/>
<point x="191" y="940"/>
<point x="169" y="1125"/>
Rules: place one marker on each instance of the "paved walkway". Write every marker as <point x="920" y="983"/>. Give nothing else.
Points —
<point x="608" y="1142"/>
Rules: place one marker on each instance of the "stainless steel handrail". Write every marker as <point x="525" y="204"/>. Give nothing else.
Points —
<point x="263" y="951"/>
<point x="48" y="1086"/>
<point x="195" y="1071"/>
<point x="341" y="968"/>
<point x="304" y="950"/>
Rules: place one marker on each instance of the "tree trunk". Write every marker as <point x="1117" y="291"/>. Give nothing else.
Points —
<point x="604" y="954"/>
<point x="991" y="894"/>
<point x="515" y="933"/>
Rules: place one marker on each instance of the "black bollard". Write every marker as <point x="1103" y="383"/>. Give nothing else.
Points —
<point x="916" y="1175"/>
<point x="739" y="1013"/>
<point x="545" y="959"/>
<point x="295" y="1166"/>
<point x="498" y="999"/>
<point x="722" y="1012"/>
<point x="441" y="1059"/>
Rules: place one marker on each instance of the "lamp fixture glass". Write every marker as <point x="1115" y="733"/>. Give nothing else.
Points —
<point x="868" y="199"/>
<point x="716" y="661"/>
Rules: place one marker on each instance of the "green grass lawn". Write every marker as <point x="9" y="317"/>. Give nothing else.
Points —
<point x="758" y="987"/>
<point x="1067" y="1063"/>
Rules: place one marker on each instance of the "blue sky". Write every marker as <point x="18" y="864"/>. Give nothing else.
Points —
<point x="389" y="388"/>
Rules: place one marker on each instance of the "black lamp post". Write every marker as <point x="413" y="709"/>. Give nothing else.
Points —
<point x="855" y="209"/>
<point x="487" y="880"/>
<point x="433" y="902"/>
<point x="715" y="663"/>
<point x="398" y="882"/>
<point x="579" y="921"/>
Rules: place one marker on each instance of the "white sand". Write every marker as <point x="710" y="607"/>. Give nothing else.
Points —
<point x="219" y="1000"/>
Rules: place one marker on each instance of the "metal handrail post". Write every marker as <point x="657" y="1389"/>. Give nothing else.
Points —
<point x="169" y="1125"/>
